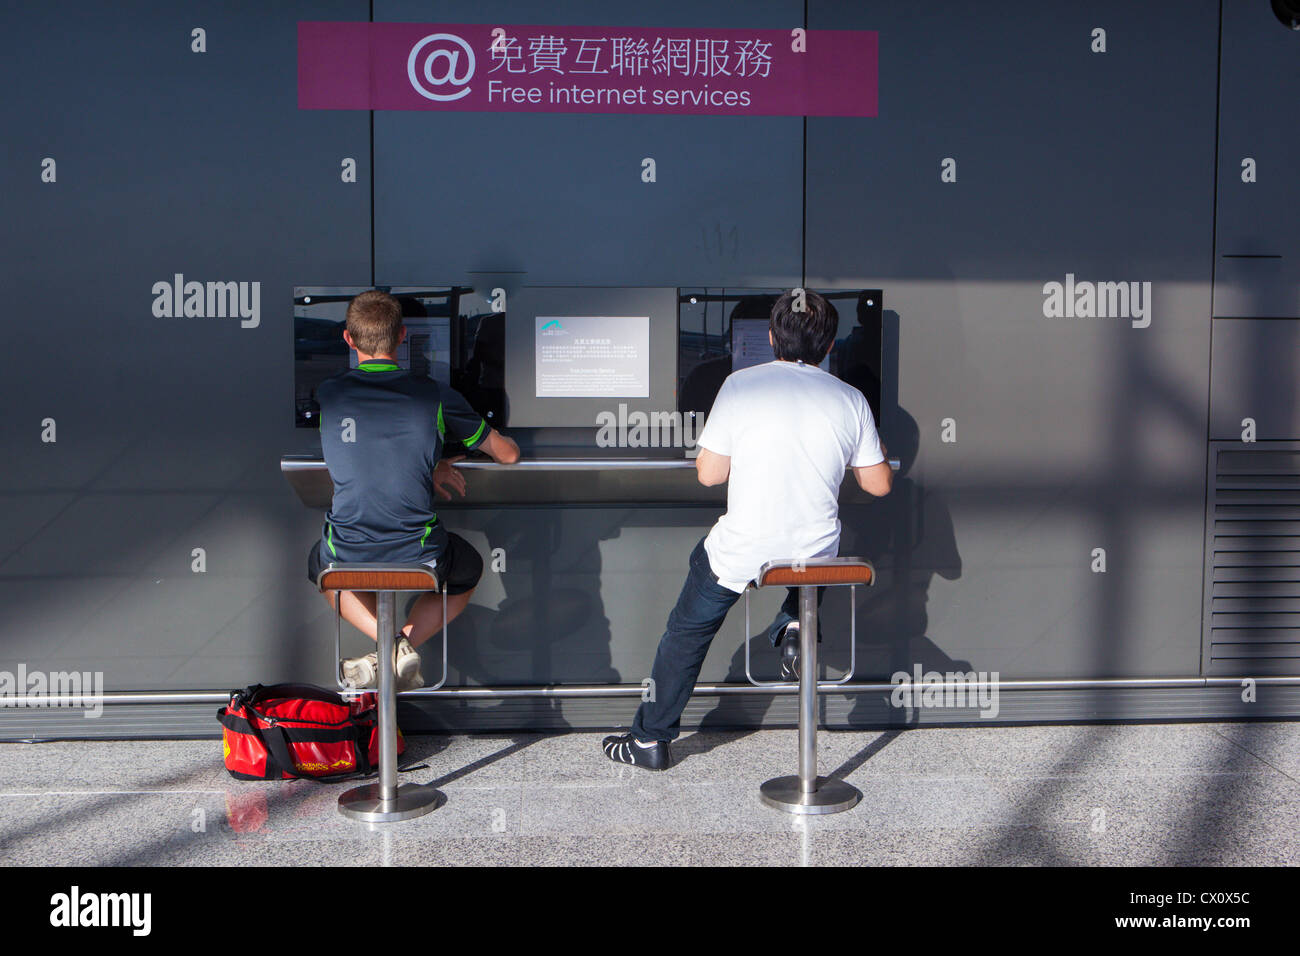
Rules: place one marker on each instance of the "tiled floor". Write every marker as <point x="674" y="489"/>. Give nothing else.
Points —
<point x="1138" y="794"/>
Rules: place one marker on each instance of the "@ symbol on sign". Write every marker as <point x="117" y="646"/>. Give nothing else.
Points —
<point x="448" y="53"/>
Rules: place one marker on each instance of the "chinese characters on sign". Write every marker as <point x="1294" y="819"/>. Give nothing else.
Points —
<point x="629" y="56"/>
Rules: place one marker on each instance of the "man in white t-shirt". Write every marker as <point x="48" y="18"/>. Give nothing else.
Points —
<point x="782" y="435"/>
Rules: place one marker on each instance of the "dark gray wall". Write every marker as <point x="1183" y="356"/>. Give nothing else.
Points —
<point x="559" y="198"/>
<point x="168" y="430"/>
<point x="1071" y="434"/>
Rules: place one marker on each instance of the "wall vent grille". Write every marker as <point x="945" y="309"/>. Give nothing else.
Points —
<point x="1252" y="588"/>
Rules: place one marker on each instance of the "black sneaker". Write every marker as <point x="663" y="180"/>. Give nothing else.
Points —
<point x="790" y="652"/>
<point x="623" y="748"/>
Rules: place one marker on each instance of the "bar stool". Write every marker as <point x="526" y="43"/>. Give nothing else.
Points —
<point x="807" y="793"/>
<point x="386" y="802"/>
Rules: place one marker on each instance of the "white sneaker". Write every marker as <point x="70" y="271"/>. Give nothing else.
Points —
<point x="361" y="672"/>
<point x="407" y="666"/>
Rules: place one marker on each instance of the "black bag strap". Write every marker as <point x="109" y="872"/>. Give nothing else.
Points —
<point x="277" y="750"/>
<point x="256" y="693"/>
<point x="363" y="748"/>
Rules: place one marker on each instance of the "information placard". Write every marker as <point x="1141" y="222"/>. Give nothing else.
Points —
<point x="593" y="356"/>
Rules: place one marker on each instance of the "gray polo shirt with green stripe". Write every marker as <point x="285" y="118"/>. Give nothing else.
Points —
<point x="382" y="431"/>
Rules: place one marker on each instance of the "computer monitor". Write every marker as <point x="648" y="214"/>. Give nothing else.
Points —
<point x="573" y="354"/>
<point x="721" y="331"/>
<point x="750" y="345"/>
<point x="438" y="320"/>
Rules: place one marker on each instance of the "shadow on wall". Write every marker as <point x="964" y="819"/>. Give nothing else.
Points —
<point x="542" y="632"/>
<point x="1119" y="500"/>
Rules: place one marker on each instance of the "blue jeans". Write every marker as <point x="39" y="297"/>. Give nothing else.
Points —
<point x="701" y="608"/>
<point x="789" y="613"/>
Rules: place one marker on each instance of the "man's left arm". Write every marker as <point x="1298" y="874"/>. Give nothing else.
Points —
<point x="713" y="447"/>
<point x="712" y="468"/>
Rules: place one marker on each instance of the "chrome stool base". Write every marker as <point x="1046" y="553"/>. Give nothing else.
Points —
<point x="831" y="795"/>
<point x="386" y="801"/>
<point x="806" y="793"/>
<point x="412" y="800"/>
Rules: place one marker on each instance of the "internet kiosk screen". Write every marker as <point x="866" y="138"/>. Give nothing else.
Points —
<point x="426" y="350"/>
<point x="750" y="345"/>
<point x="592" y="356"/>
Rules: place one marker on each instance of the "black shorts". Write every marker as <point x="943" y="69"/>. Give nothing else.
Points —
<point x="458" y="568"/>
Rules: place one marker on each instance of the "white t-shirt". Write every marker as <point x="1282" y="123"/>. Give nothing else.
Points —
<point x="790" y="430"/>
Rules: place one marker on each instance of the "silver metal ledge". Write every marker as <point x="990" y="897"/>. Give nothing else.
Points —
<point x="626" y="482"/>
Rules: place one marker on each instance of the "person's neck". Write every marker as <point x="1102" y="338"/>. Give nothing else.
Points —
<point x="361" y="359"/>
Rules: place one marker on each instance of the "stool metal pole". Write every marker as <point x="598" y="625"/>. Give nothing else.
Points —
<point x="808" y="690"/>
<point x="386" y="802"/>
<point x="385" y="602"/>
<point x="808" y="793"/>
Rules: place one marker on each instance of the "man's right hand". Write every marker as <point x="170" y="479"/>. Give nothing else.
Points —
<point x="447" y="478"/>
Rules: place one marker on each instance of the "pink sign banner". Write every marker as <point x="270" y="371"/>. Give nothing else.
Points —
<point x="554" y="69"/>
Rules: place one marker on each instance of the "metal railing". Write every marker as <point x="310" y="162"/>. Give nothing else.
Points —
<point x="715" y="689"/>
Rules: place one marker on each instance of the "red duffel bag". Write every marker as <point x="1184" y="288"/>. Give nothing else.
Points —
<point x="287" y="731"/>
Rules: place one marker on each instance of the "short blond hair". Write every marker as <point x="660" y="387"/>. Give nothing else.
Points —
<point x="375" y="323"/>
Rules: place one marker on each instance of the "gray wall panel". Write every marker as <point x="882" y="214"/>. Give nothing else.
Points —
<point x="1071" y="433"/>
<point x="560" y="198"/>
<point x="1065" y="158"/>
<point x="169" y="429"/>
<point x="1260" y="84"/>
<point x="1253" y="375"/>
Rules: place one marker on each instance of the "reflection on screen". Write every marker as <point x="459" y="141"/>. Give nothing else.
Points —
<point x="426" y="350"/>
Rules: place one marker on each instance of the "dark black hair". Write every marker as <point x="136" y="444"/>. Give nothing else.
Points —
<point x="803" y="336"/>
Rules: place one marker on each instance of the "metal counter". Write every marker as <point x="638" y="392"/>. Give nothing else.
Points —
<point x="632" y="482"/>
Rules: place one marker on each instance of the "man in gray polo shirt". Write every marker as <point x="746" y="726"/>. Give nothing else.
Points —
<point x="383" y="431"/>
